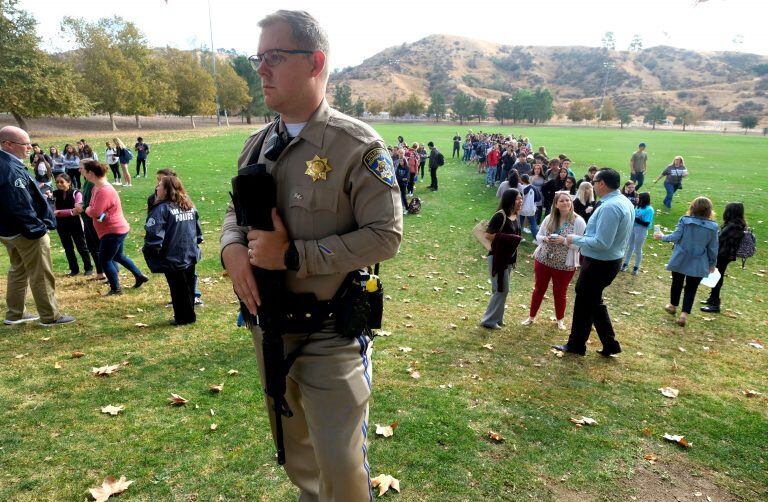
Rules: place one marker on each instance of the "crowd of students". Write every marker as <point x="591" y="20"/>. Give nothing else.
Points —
<point x="543" y="193"/>
<point x="90" y="219"/>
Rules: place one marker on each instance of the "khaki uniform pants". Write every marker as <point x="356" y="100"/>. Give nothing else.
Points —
<point x="30" y="266"/>
<point x="327" y="389"/>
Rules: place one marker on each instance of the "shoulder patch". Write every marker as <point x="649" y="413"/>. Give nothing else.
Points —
<point x="380" y="164"/>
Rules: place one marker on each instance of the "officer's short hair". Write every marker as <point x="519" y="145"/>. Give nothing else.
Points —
<point x="305" y="29"/>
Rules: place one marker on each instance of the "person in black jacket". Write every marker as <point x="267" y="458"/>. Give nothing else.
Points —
<point x="729" y="240"/>
<point x="171" y="245"/>
<point x="26" y="219"/>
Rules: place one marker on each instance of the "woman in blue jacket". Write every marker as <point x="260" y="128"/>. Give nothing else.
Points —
<point x="694" y="255"/>
<point x="171" y="245"/>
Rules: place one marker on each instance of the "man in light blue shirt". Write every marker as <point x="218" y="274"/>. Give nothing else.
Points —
<point x="602" y="249"/>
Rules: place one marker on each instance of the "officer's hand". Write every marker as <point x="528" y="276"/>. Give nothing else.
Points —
<point x="235" y="258"/>
<point x="267" y="249"/>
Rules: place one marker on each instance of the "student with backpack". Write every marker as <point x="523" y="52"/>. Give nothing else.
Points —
<point x="436" y="159"/>
<point x="528" y="211"/>
<point x="732" y="235"/>
<point x="401" y="174"/>
<point x="124" y="156"/>
<point x="69" y="225"/>
<point x="643" y="222"/>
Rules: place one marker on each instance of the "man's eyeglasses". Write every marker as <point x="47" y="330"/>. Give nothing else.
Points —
<point x="273" y="57"/>
<point x="17" y="143"/>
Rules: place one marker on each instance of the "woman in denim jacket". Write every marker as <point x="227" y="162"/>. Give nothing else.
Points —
<point x="694" y="255"/>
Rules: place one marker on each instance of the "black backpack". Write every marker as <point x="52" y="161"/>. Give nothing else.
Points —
<point x="439" y="159"/>
<point x="747" y="247"/>
<point x="414" y="207"/>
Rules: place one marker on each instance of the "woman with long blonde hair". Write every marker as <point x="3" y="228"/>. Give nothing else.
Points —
<point x="124" y="155"/>
<point x="554" y="259"/>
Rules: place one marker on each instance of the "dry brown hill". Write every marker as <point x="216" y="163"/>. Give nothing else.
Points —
<point x="715" y="85"/>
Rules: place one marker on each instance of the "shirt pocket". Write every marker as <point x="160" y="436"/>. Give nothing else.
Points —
<point x="313" y="212"/>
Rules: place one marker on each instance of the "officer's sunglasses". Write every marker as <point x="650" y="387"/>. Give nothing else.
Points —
<point x="273" y="57"/>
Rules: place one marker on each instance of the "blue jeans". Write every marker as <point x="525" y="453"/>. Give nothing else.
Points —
<point x="532" y="222"/>
<point x="111" y="251"/>
<point x="639" y="179"/>
<point x="670" y="192"/>
<point x="490" y="177"/>
<point x="635" y="245"/>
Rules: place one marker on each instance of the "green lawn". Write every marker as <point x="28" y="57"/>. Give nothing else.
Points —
<point x="55" y="443"/>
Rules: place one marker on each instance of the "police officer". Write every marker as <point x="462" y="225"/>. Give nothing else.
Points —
<point x="338" y="209"/>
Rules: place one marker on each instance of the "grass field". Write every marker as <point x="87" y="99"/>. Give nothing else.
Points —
<point x="55" y="443"/>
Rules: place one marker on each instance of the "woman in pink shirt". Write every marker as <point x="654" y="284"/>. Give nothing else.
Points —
<point x="110" y="225"/>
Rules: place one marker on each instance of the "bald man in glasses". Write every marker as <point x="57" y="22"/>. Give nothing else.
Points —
<point x="27" y="217"/>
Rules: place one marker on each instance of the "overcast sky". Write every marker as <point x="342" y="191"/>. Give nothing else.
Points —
<point x="360" y="29"/>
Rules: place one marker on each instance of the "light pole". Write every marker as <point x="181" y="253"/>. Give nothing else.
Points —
<point x="213" y="59"/>
<point x="393" y="63"/>
<point x="607" y="66"/>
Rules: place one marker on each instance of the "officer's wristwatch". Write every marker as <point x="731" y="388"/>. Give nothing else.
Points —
<point x="292" y="257"/>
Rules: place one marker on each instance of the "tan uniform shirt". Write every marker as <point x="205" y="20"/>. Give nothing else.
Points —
<point x="343" y="215"/>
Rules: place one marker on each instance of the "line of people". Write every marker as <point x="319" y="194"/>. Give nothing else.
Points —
<point x="89" y="218"/>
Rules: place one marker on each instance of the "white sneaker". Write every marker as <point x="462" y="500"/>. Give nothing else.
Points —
<point x="528" y="321"/>
<point x="26" y="317"/>
<point x="560" y="324"/>
<point x="526" y="230"/>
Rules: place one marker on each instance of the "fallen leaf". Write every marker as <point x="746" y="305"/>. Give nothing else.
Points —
<point x="452" y="326"/>
<point x="386" y="430"/>
<point x="384" y="482"/>
<point x="751" y="393"/>
<point x="57" y="365"/>
<point x="177" y="400"/>
<point x="681" y="349"/>
<point x="404" y="349"/>
<point x="110" y="486"/>
<point x="45" y="339"/>
<point x="233" y="372"/>
<point x="20" y="356"/>
<point x="646" y="431"/>
<point x="495" y="436"/>
<point x="105" y="370"/>
<point x="129" y="316"/>
<point x="669" y="392"/>
<point x="651" y="458"/>
<point x="678" y="439"/>
<point x="77" y="354"/>
<point x="558" y="353"/>
<point x="756" y="345"/>
<point x="488" y="346"/>
<point x="141" y="325"/>
<point x="437" y="289"/>
<point x="583" y="421"/>
<point x="414" y="374"/>
<point x="112" y="410"/>
<point x="214" y="427"/>
<point x="216" y="388"/>
<point x="383" y="333"/>
<point x="636" y="293"/>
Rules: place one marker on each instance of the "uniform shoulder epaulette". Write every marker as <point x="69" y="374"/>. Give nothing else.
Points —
<point x="355" y="128"/>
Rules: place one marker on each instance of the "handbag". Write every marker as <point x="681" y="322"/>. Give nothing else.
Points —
<point x="479" y="231"/>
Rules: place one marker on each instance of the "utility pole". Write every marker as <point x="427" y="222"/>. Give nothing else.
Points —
<point x="607" y="66"/>
<point x="394" y="64"/>
<point x="213" y="59"/>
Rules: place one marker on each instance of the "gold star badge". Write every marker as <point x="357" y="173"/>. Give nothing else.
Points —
<point x="317" y="168"/>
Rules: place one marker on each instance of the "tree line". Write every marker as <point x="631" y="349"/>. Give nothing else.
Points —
<point x="114" y="71"/>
